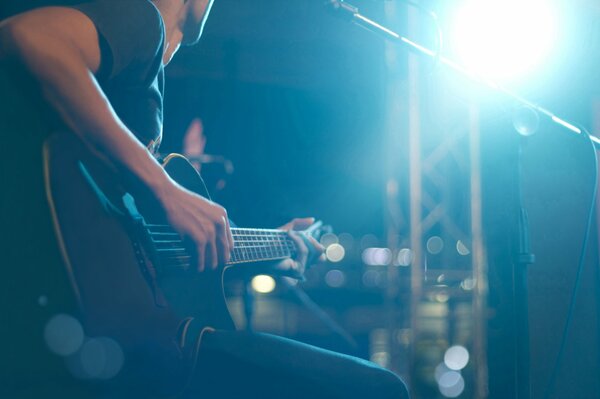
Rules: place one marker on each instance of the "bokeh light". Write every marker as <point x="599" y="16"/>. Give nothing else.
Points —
<point x="63" y="334"/>
<point x="329" y="239"/>
<point x="99" y="359"/>
<point x="381" y="358"/>
<point x="346" y="240"/>
<point x="435" y="245"/>
<point x="526" y="121"/>
<point x="335" y="278"/>
<point x="373" y="278"/>
<point x="451" y="384"/>
<point x="335" y="253"/>
<point x="468" y="284"/>
<point x="377" y="256"/>
<point x="404" y="257"/>
<point x="462" y="249"/>
<point x="263" y="284"/>
<point x="368" y="240"/>
<point x="456" y="357"/>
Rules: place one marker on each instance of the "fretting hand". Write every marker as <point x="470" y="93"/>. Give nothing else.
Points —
<point x="308" y="249"/>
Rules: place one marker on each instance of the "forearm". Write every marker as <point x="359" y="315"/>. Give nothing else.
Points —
<point x="88" y="113"/>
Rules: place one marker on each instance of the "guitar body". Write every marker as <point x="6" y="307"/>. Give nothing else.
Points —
<point x="122" y="292"/>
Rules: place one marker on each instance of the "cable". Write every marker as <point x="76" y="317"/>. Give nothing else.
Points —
<point x="565" y="333"/>
<point x="321" y="315"/>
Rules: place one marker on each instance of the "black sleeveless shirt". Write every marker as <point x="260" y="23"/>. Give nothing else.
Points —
<point x="131" y="36"/>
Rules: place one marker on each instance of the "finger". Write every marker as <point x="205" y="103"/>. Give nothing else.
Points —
<point x="200" y="250"/>
<point x="317" y="245"/>
<point x="214" y="255"/>
<point x="302" y="223"/>
<point x="229" y="237"/>
<point x="301" y="248"/>
<point x="222" y="241"/>
<point x="285" y="265"/>
<point x="291" y="268"/>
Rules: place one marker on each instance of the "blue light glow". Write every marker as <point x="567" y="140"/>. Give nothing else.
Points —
<point x="503" y="40"/>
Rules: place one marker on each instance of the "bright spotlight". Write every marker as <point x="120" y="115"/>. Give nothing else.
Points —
<point x="503" y="39"/>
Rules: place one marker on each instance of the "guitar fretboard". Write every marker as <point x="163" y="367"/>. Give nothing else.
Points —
<point x="249" y="245"/>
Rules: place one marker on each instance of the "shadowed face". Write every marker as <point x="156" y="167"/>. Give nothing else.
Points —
<point x="196" y="14"/>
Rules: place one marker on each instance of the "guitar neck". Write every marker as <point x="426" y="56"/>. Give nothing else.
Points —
<point x="253" y="245"/>
<point x="249" y="245"/>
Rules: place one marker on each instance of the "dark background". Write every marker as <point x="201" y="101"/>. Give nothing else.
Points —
<point x="294" y="98"/>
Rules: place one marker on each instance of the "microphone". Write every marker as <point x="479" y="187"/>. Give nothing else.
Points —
<point x="350" y="13"/>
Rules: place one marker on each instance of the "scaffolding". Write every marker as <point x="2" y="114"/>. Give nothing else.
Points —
<point x="434" y="213"/>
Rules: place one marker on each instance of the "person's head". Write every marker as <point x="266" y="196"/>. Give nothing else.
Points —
<point x="184" y="21"/>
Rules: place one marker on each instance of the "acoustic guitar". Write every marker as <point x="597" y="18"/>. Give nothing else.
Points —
<point x="131" y="272"/>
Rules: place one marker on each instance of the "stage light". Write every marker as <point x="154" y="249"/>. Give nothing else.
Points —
<point x="263" y="284"/>
<point x="462" y="249"/>
<point x="451" y="384"/>
<point x="468" y="284"/>
<point x="377" y="256"/>
<point x="456" y="357"/>
<point x="372" y="278"/>
<point x="335" y="278"/>
<point x="503" y="39"/>
<point x="404" y="257"/>
<point x="335" y="253"/>
<point x="435" y="245"/>
<point x="329" y="239"/>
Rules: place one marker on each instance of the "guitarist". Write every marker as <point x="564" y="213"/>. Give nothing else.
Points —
<point x="97" y="70"/>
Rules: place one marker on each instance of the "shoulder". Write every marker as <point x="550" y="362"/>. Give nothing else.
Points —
<point x="135" y="11"/>
<point x="125" y="16"/>
<point x="48" y="30"/>
<point x="132" y="31"/>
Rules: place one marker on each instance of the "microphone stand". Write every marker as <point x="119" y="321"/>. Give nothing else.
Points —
<point x="524" y="256"/>
<point x="351" y="13"/>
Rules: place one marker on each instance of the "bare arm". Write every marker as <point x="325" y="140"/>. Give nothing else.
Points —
<point x="59" y="47"/>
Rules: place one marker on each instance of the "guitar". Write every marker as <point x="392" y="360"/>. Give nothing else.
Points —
<point x="130" y="270"/>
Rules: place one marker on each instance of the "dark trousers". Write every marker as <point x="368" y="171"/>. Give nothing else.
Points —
<point x="235" y="364"/>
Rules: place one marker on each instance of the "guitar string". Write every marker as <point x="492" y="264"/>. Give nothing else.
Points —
<point x="273" y="244"/>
